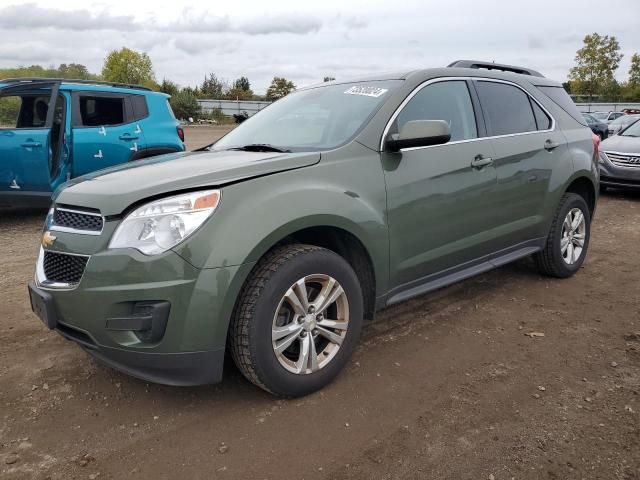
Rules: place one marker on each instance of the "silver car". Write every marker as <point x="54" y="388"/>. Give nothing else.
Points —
<point x="620" y="123"/>
<point x="620" y="159"/>
<point x="606" y="117"/>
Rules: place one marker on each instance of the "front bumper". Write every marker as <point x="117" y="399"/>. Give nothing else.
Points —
<point x="189" y="350"/>
<point x="618" y="177"/>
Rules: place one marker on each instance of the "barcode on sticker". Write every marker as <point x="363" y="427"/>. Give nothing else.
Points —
<point x="366" y="91"/>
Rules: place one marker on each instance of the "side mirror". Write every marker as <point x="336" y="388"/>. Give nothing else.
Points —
<point x="419" y="133"/>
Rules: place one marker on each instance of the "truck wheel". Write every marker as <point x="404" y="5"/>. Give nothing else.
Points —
<point x="568" y="240"/>
<point x="297" y="320"/>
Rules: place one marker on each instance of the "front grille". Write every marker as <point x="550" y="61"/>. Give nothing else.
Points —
<point x="63" y="268"/>
<point x="75" y="220"/>
<point x="624" y="159"/>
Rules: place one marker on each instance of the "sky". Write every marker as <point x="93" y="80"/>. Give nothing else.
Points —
<point x="306" y="41"/>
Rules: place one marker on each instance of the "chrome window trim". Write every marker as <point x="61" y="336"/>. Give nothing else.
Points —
<point x="57" y="228"/>
<point x="41" y="278"/>
<point x="415" y="91"/>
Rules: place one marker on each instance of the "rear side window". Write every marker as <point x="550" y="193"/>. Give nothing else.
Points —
<point x="139" y="105"/>
<point x="561" y="98"/>
<point x="98" y="111"/>
<point x="449" y="101"/>
<point x="507" y="109"/>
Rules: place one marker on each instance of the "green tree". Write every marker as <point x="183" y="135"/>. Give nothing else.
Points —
<point x="634" y="71"/>
<point x="242" y="84"/>
<point x="596" y="63"/>
<point x="128" y="66"/>
<point x="279" y="88"/>
<point x="213" y="87"/>
<point x="169" y="87"/>
<point x="75" y="71"/>
<point x="185" y="104"/>
<point x="241" y="90"/>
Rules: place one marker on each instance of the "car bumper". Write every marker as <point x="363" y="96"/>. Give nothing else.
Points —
<point x="618" y="177"/>
<point x="158" y="319"/>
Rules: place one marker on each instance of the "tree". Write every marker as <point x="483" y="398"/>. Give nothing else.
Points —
<point x="329" y="79"/>
<point x="185" y="104"/>
<point x="596" y="63"/>
<point x="634" y="71"/>
<point x="169" y="87"/>
<point x="242" y="84"/>
<point x="241" y="90"/>
<point x="75" y="71"/>
<point x="128" y="66"/>
<point x="213" y="87"/>
<point x="279" y="88"/>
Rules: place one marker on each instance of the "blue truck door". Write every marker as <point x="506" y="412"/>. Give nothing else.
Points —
<point x="26" y="147"/>
<point x="104" y="131"/>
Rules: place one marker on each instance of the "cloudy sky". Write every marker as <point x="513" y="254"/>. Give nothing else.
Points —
<point x="305" y="41"/>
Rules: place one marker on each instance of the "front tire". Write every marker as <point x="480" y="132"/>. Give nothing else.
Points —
<point x="297" y="321"/>
<point x="568" y="240"/>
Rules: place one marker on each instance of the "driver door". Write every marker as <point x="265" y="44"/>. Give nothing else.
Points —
<point x="25" y="144"/>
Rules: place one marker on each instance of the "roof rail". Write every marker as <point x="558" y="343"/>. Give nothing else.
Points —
<point x="495" y="66"/>
<point x="69" y="80"/>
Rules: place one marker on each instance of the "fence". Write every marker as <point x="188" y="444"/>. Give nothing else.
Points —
<point x="606" y="107"/>
<point x="229" y="107"/>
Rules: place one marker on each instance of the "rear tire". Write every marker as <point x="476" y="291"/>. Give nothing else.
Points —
<point x="297" y="320"/>
<point x="568" y="240"/>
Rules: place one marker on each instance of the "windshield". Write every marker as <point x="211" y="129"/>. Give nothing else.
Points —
<point x="632" y="131"/>
<point x="600" y="115"/>
<point x="624" y="120"/>
<point x="311" y="120"/>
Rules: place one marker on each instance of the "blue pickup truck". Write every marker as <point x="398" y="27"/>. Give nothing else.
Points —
<point x="52" y="130"/>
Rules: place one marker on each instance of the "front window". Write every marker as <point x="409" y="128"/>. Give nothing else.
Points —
<point x="601" y="115"/>
<point x="311" y="120"/>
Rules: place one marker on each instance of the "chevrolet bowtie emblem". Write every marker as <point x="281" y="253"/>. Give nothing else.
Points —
<point x="47" y="239"/>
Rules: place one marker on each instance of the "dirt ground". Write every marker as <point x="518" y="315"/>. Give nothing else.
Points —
<point x="445" y="386"/>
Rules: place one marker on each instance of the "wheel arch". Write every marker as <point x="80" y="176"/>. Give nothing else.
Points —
<point x="339" y="237"/>
<point x="584" y="186"/>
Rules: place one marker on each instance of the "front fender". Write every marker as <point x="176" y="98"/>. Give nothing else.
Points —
<point x="255" y="215"/>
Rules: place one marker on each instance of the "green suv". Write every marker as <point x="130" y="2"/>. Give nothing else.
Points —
<point x="277" y="242"/>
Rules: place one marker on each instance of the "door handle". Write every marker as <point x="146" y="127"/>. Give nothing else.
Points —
<point x="481" y="161"/>
<point x="550" y="145"/>
<point x="31" y="144"/>
<point x="128" y="136"/>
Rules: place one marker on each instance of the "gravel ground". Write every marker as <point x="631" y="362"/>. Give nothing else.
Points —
<point x="448" y="385"/>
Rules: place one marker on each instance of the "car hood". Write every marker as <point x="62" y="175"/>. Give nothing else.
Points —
<point x="114" y="189"/>
<point x="621" y="144"/>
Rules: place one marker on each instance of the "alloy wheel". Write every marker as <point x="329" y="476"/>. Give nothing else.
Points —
<point x="310" y="324"/>
<point x="573" y="236"/>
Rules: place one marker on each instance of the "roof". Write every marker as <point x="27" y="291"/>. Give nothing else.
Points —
<point x="95" y="84"/>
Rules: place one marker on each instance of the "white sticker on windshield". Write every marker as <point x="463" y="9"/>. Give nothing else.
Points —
<point x="366" y="91"/>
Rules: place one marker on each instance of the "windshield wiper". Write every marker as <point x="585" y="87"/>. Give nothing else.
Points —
<point x="261" y="147"/>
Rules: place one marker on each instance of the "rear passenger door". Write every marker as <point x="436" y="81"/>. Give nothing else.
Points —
<point x="105" y="131"/>
<point x="527" y="149"/>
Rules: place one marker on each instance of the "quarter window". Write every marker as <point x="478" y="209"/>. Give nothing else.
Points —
<point x="542" y="119"/>
<point x="506" y="108"/>
<point x="449" y="101"/>
<point x="101" y="111"/>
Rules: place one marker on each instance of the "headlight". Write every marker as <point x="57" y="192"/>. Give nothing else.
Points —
<point x="160" y="225"/>
<point x="602" y="157"/>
